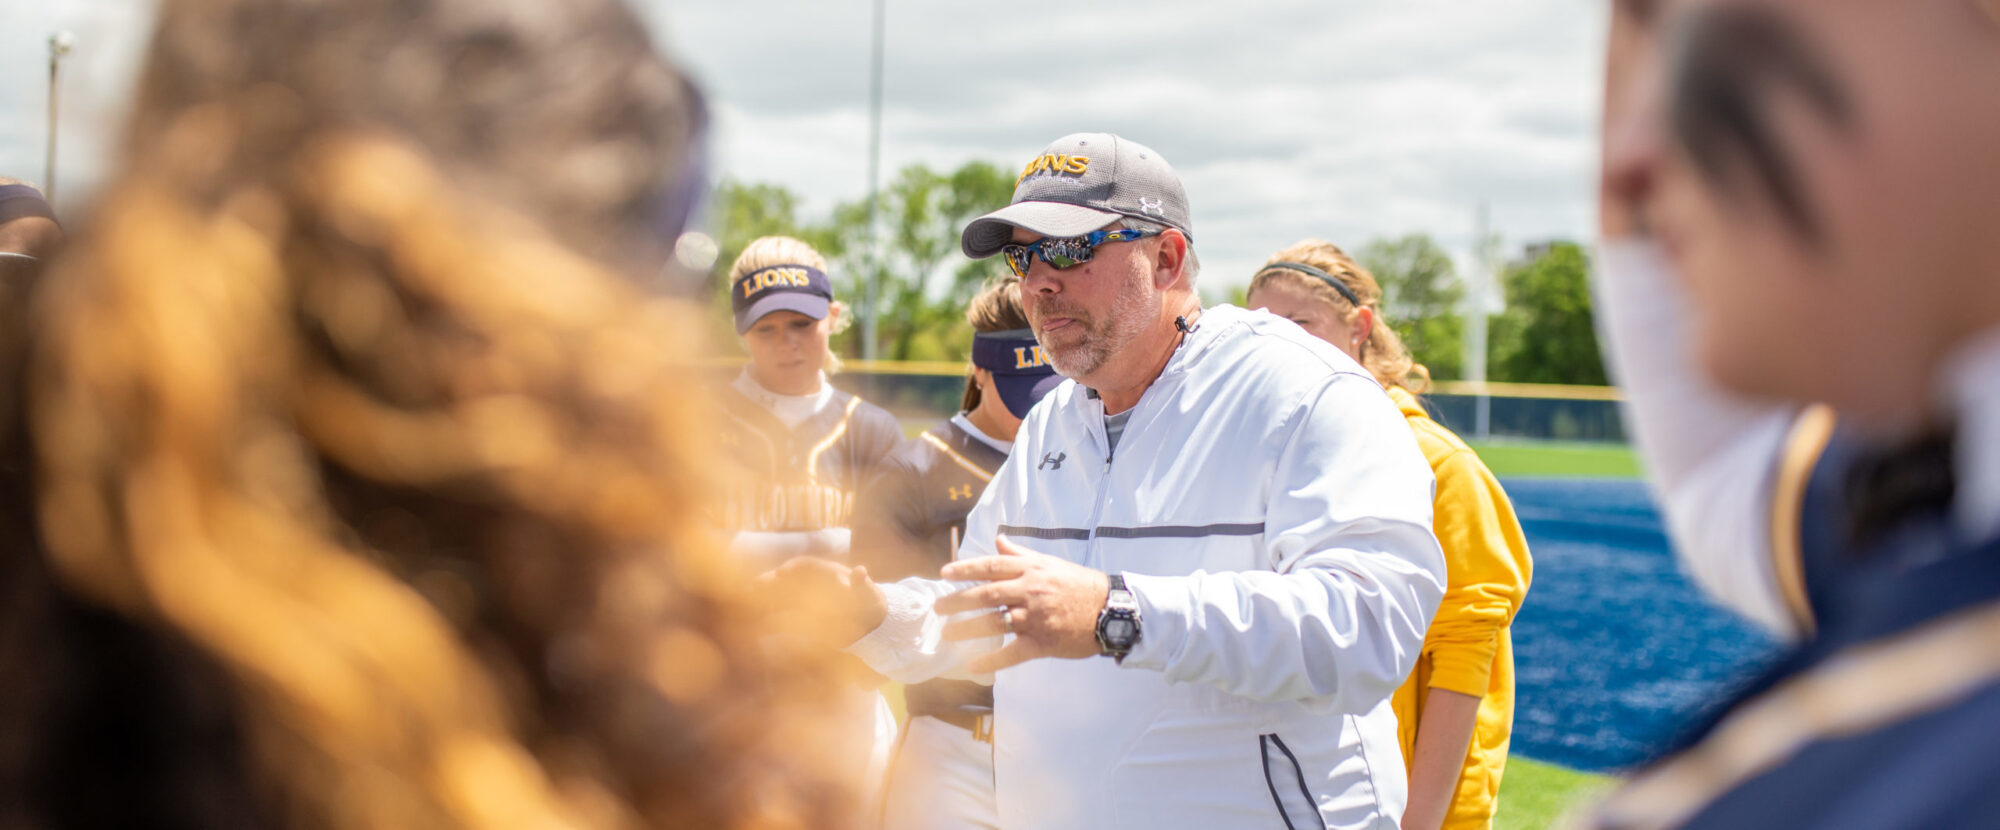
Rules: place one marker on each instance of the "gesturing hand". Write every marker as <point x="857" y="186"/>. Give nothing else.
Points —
<point x="835" y="603"/>
<point x="1050" y="605"/>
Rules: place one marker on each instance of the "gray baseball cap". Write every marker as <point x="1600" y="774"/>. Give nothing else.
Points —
<point x="1083" y="182"/>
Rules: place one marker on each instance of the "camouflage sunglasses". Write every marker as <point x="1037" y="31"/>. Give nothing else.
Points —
<point x="1066" y="252"/>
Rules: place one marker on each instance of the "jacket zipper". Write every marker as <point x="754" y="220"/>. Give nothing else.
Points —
<point x="1090" y="557"/>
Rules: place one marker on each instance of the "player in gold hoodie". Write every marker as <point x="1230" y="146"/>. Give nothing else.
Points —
<point x="1456" y="711"/>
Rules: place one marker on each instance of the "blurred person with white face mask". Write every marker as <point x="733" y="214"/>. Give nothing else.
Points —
<point x="1815" y="178"/>
<point x="1716" y="459"/>
<point x="1759" y="492"/>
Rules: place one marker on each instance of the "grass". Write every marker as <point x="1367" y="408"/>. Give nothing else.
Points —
<point x="1534" y="795"/>
<point x="1533" y="458"/>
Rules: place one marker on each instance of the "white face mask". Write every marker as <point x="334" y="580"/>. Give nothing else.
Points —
<point x="1628" y="269"/>
<point x="1968" y="389"/>
<point x="1708" y="453"/>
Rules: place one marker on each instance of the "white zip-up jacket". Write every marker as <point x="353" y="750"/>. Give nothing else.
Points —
<point x="1272" y="514"/>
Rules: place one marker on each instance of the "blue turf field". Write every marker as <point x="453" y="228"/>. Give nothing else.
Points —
<point x="1614" y="649"/>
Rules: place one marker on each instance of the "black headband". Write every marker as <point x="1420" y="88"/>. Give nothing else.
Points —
<point x="1323" y="276"/>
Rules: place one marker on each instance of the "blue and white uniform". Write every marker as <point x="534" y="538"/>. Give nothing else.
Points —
<point x="796" y="462"/>
<point x="1888" y="716"/>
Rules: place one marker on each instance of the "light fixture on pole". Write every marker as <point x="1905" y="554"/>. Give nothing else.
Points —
<point x="60" y="44"/>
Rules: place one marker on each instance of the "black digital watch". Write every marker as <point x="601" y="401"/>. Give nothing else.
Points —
<point x="1118" y="623"/>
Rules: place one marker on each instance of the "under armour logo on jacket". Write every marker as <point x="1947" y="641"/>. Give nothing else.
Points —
<point x="1052" y="460"/>
<point x="963" y="491"/>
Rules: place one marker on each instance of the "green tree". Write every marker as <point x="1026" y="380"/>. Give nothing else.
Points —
<point x="740" y="213"/>
<point x="743" y="212"/>
<point x="923" y="281"/>
<point x="1546" y="334"/>
<point x="1421" y="295"/>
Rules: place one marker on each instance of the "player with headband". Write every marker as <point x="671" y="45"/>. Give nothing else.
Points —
<point x="1456" y="711"/>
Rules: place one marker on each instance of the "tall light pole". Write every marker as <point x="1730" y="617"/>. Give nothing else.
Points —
<point x="60" y="44"/>
<point x="1479" y="302"/>
<point x="868" y="292"/>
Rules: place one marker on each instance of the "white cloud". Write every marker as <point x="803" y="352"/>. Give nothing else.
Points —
<point x="1285" y="119"/>
<point x="1344" y="120"/>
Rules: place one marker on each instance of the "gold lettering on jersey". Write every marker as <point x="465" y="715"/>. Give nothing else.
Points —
<point x="1029" y="357"/>
<point x="1055" y="164"/>
<point x="793" y="277"/>
<point x="793" y="507"/>
<point x="963" y="491"/>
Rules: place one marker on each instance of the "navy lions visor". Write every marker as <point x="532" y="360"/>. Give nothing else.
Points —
<point x="20" y="200"/>
<point x="1022" y="373"/>
<point x="798" y="288"/>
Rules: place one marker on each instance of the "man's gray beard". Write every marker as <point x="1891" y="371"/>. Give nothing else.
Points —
<point x="1127" y="320"/>
<point x="1090" y="357"/>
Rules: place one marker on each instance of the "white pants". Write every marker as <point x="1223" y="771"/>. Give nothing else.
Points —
<point x="881" y="747"/>
<point x="858" y="741"/>
<point x="942" y="779"/>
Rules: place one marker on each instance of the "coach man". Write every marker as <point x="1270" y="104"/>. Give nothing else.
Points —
<point x="1220" y="521"/>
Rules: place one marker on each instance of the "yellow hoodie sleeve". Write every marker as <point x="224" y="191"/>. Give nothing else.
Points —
<point x="1488" y="568"/>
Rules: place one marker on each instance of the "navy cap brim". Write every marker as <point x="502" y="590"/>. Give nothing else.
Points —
<point x="1020" y="392"/>
<point x="810" y="305"/>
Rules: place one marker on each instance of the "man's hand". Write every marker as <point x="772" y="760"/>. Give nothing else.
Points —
<point x="838" y="604"/>
<point x="1050" y="605"/>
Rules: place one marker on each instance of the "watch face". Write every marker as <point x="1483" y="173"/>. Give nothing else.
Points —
<point x="1118" y="631"/>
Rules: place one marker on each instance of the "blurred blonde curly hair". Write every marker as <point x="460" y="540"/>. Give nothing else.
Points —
<point x="340" y="398"/>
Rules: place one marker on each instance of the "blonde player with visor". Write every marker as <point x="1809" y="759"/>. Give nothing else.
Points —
<point x="799" y="448"/>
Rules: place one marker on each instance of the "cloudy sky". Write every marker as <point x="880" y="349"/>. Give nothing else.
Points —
<point x="1348" y="119"/>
